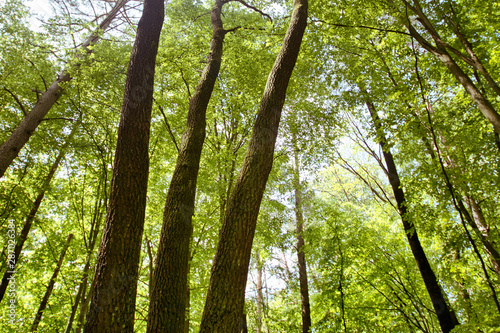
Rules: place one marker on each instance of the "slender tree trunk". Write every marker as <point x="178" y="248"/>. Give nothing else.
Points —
<point x="299" y="218"/>
<point x="82" y="287"/>
<point x="31" y="216"/>
<point x="167" y="307"/>
<point x="442" y="54"/>
<point x="112" y="307"/>
<point x="74" y="307"/>
<point x="10" y="148"/>
<point x="188" y="303"/>
<point x="474" y="60"/>
<point x="223" y="310"/>
<point x="50" y="287"/>
<point x="260" y="296"/>
<point x="476" y="221"/>
<point x="84" y="306"/>
<point x="445" y="316"/>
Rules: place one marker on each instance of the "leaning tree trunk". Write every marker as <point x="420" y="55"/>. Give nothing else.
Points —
<point x="223" y="310"/>
<point x="31" y="216"/>
<point x="10" y="148"/>
<point x="167" y="308"/>
<point x="445" y="315"/>
<point x="112" y="307"/>
<point x="483" y="104"/>
<point x="50" y="287"/>
<point x="299" y="218"/>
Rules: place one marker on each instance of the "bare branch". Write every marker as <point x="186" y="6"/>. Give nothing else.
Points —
<point x="17" y="100"/>
<point x="168" y="126"/>
<point x="254" y="9"/>
<point x="361" y="27"/>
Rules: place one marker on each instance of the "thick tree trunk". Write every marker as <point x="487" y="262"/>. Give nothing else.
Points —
<point x="10" y="148"/>
<point x="446" y="317"/>
<point x="31" y="216"/>
<point x="223" y="310"/>
<point x="299" y="218"/>
<point x="167" y="307"/>
<point x="50" y="287"/>
<point x="112" y="307"/>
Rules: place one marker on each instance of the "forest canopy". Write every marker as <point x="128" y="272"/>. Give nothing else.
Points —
<point x="236" y="166"/>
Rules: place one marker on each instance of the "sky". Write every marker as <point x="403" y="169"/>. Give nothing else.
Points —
<point x="40" y="8"/>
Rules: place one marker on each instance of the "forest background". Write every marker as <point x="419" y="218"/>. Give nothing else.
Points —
<point x="412" y="82"/>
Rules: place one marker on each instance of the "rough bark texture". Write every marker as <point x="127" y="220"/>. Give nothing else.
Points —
<point x="31" y="216"/>
<point x="223" y="310"/>
<point x="299" y="218"/>
<point x="10" y="148"/>
<point x="167" y="306"/>
<point x="446" y="318"/>
<point x="113" y="298"/>
<point x="50" y="287"/>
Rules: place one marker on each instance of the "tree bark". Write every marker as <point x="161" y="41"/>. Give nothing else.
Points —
<point x="10" y="148"/>
<point x="167" y="307"/>
<point x="31" y="216"/>
<point x="112" y="307"/>
<point x="446" y="318"/>
<point x="299" y="218"/>
<point x="223" y="311"/>
<point x="50" y="287"/>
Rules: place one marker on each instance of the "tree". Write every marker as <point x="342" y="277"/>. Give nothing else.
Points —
<point x="169" y="294"/>
<point x="446" y="317"/>
<point x="113" y="299"/>
<point x="50" y="287"/>
<point x="10" y="148"/>
<point x="225" y="299"/>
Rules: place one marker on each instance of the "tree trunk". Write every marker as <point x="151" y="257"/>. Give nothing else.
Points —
<point x="223" y="311"/>
<point x="31" y="216"/>
<point x="84" y="306"/>
<point x="441" y="53"/>
<point x="50" y="287"/>
<point x="260" y="296"/>
<point x="445" y="316"/>
<point x="477" y="223"/>
<point x="167" y="307"/>
<point x="10" y="148"/>
<point x="74" y="307"/>
<point x="112" y="307"/>
<point x="299" y="218"/>
<point x="82" y="287"/>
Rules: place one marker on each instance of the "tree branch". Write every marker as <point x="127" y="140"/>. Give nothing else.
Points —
<point x="361" y="26"/>
<point x="168" y="126"/>
<point x="17" y="100"/>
